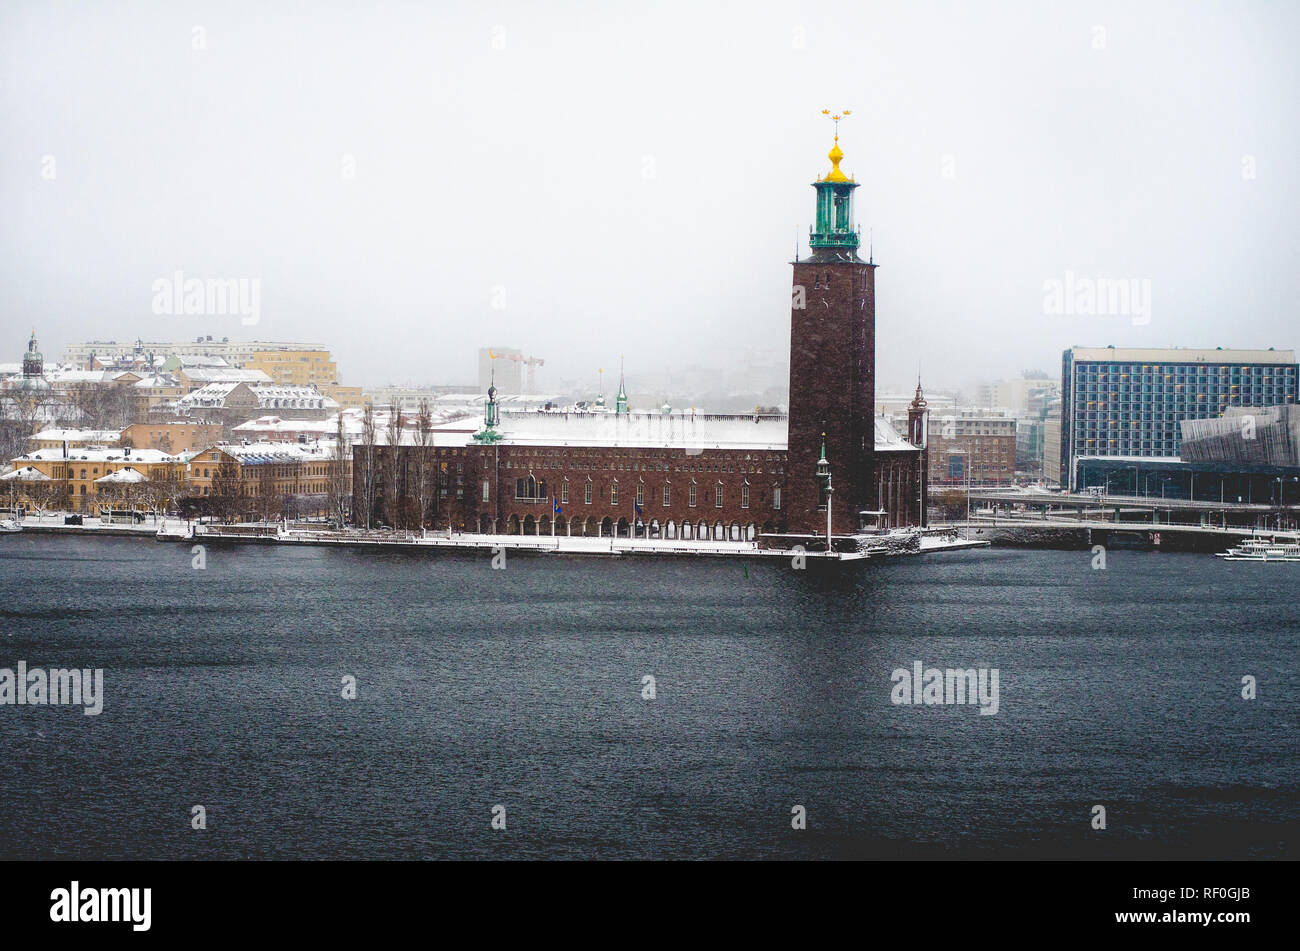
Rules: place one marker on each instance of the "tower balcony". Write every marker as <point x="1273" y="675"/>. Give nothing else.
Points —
<point x="835" y="239"/>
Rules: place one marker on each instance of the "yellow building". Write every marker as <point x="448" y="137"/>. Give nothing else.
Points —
<point x="74" y="477"/>
<point x="152" y="390"/>
<point x="171" y="437"/>
<point x="298" y="367"/>
<point x="306" y="368"/>
<point x="266" y="476"/>
<point x="348" y="397"/>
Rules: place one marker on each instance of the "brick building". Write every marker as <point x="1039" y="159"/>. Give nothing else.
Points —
<point x="982" y="441"/>
<point x="684" y="474"/>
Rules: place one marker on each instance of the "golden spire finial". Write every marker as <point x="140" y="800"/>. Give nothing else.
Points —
<point x="835" y="155"/>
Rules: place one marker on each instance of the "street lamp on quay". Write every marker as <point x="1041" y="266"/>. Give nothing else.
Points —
<point x="824" y="476"/>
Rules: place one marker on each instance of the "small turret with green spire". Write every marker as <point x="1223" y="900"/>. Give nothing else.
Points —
<point x="620" y="403"/>
<point x="491" y="414"/>
<point x="824" y="476"/>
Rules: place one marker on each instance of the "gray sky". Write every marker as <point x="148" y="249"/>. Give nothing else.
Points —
<point x="630" y="178"/>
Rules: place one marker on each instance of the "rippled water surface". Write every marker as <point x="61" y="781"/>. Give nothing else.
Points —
<point x="523" y="688"/>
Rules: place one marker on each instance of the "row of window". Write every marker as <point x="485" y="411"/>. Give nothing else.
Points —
<point x="653" y="467"/>
<point x="532" y="489"/>
<point x="1122" y="371"/>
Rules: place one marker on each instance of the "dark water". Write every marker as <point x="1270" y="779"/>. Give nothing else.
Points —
<point x="522" y="687"/>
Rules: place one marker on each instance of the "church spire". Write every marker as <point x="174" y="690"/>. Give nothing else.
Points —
<point x="33" y="362"/>
<point x="620" y="403"/>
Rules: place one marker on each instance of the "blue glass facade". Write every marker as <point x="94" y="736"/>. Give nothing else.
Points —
<point x="1133" y="408"/>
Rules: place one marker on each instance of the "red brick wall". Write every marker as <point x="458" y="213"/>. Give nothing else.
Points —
<point x="503" y="465"/>
<point x="832" y="389"/>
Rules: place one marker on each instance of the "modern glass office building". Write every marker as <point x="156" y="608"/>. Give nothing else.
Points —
<point x="1131" y="402"/>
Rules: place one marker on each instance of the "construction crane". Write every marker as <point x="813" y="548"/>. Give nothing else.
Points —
<point x="530" y="384"/>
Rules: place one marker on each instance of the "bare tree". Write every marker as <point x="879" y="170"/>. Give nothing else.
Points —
<point x="162" y="490"/>
<point x="42" y="494"/>
<point x="368" y="475"/>
<point x="225" y="490"/>
<point x="268" y="500"/>
<point x="392" y="468"/>
<point x="421" y="473"/>
<point x="100" y="405"/>
<point x="23" y="410"/>
<point x="340" y="485"/>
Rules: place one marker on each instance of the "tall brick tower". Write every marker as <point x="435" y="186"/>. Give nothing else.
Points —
<point x="832" y="364"/>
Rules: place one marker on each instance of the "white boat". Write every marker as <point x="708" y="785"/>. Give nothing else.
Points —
<point x="1260" y="549"/>
<point x="9" y="525"/>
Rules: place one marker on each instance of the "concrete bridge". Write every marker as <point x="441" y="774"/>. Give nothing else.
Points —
<point x="1113" y="509"/>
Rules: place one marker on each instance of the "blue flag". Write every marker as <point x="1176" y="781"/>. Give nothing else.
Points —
<point x="556" y="502"/>
<point x="637" y="507"/>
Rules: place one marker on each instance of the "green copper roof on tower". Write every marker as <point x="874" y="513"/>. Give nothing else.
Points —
<point x="835" y="227"/>
<point x="620" y="404"/>
<point x="491" y="413"/>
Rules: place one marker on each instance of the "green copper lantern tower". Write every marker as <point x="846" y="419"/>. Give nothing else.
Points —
<point x="834" y="227"/>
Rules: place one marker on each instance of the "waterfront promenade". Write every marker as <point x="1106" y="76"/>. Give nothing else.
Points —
<point x="931" y="541"/>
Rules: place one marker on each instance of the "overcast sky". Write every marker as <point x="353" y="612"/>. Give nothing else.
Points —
<point x="409" y="182"/>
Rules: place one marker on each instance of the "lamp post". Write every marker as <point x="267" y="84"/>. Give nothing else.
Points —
<point x="824" y="476"/>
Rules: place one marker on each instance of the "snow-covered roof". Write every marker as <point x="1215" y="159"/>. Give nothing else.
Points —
<point x="224" y="375"/>
<point x="211" y="394"/>
<point x="277" y="453"/>
<point x="157" y="379"/>
<point x="887" y="437"/>
<point x="680" y="429"/>
<point x="115" y="454"/>
<point x="25" y="474"/>
<point x="124" y="476"/>
<point x="77" y="435"/>
<point x="291" y="396"/>
<point x="62" y="374"/>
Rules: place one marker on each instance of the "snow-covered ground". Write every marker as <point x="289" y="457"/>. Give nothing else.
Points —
<point x="569" y="545"/>
<point x="178" y="529"/>
<point x="53" y="522"/>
